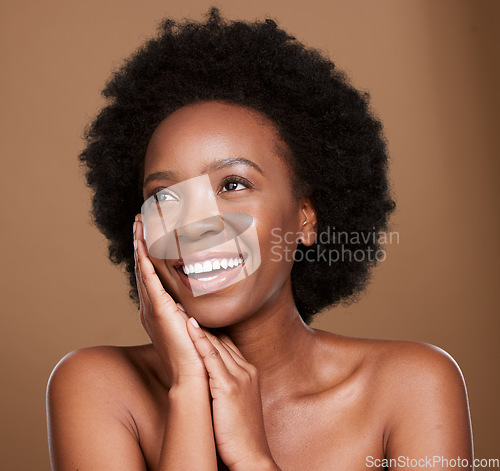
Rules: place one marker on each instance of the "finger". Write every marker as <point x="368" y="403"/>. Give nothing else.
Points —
<point x="233" y="364"/>
<point x="227" y="341"/>
<point x="182" y="311"/>
<point x="140" y="285"/>
<point x="236" y="355"/>
<point x="230" y="344"/>
<point x="211" y="356"/>
<point x="143" y="295"/>
<point x="155" y="291"/>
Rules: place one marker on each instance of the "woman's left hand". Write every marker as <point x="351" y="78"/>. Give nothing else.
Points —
<point x="238" y="420"/>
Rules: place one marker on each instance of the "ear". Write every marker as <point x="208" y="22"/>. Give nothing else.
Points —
<point x="308" y="223"/>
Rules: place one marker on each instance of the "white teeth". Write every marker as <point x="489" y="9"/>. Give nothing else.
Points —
<point x="207" y="266"/>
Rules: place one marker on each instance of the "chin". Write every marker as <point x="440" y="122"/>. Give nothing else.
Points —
<point x="218" y="309"/>
<point x="213" y="306"/>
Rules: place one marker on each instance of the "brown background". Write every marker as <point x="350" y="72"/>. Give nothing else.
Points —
<point x="433" y="74"/>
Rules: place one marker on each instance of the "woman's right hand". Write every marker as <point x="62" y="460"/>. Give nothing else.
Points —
<point x="162" y="319"/>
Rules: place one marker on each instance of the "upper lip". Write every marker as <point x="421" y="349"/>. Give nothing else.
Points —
<point x="199" y="257"/>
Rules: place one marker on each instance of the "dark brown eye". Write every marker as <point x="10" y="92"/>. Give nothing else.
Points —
<point x="231" y="186"/>
<point x="234" y="184"/>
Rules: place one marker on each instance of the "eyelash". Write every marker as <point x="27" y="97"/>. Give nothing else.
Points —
<point x="228" y="179"/>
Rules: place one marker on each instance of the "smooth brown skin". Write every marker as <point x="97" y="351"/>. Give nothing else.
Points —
<point x="314" y="400"/>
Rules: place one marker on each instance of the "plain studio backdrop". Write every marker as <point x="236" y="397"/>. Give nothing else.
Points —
<point x="432" y="69"/>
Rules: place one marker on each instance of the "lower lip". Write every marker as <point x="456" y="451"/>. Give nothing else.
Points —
<point x="218" y="283"/>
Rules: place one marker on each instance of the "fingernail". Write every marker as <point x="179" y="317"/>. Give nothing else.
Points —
<point x="136" y="217"/>
<point x="193" y="321"/>
<point x="135" y="226"/>
<point x="135" y="244"/>
<point x="181" y="307"/>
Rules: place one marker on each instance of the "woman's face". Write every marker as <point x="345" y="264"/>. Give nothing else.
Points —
<point x="199" y="139"/>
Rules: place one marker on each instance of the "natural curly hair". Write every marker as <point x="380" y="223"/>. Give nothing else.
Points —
<point x="338" y="153"/>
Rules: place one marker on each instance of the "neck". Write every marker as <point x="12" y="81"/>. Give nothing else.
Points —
<point x="277" y="342"/>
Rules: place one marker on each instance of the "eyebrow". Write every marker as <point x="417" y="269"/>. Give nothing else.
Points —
<point x="215" y="165"/>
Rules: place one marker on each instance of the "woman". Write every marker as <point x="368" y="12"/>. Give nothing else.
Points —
<point x="237" y="132"/>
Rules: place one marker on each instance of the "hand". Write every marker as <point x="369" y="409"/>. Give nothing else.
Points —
<point x="239" y="431"/>
<point x="162" y="319"/>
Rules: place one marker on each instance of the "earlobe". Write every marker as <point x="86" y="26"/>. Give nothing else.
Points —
<point x="309" y="224"/>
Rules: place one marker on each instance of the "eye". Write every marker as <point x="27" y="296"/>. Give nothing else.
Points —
<point x="160" y="195"/>
<point x="234" y="183"/>
<point x="163" y="196"/>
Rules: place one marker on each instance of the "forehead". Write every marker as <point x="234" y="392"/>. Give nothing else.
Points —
<point x="198" y="133"/>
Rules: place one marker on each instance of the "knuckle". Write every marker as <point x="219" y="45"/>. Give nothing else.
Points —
<point x="160" y="305"/>
<point x="167" y="300"/>
<point x="252" y="371"/>
<point x="154" y="315"/>
<point x="146" y="277"/>
<point x="213" y="353"/>
<point x="231" y="388"/>
<point x="246" y="377"/>
<point x="213" y="338"/>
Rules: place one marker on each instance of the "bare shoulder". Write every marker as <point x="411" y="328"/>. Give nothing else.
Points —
<point x="416" y="367"/>
<point x="426" y="401"/>
<point x="100" y="366"/>
<point x="90" y="361"/>
<point x="410" y="354"/>
<point x="417" y="391"/>
<point x="121" y="372"/>
<point x="400" y="375"/>
<point x="400" y="364"/>
<point x="89" y="396"/>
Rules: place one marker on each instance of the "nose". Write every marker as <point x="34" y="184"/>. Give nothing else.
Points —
<point x="201" y="229"/>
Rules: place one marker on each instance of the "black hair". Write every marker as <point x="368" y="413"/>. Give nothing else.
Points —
<point x="338" y="152"/>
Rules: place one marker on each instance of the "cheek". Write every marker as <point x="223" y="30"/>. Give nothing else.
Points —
<point x="278" y="240"/>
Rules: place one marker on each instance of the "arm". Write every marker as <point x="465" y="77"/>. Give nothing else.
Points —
<point x="430" y="412"/>
<point x="188" y="440"/>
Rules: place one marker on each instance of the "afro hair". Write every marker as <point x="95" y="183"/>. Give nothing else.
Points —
<point x="338" y="154"/>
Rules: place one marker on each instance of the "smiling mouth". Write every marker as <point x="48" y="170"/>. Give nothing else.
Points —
<point x="210" y="274"/>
